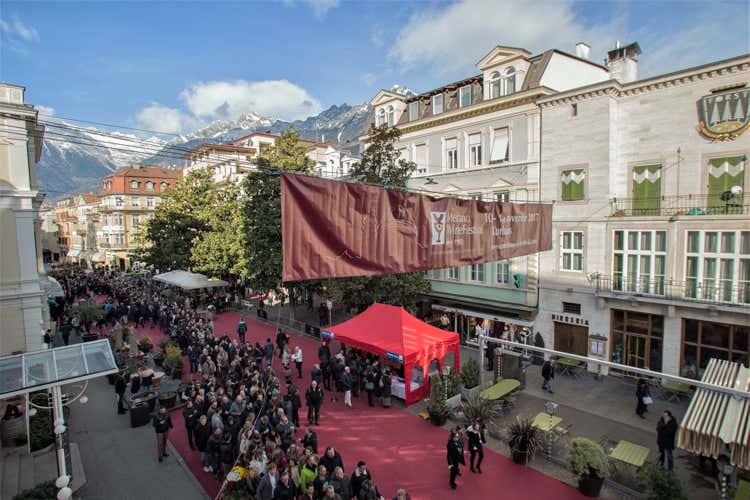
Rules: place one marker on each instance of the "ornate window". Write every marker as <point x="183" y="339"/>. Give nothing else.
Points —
<point x="495" y="84"/>
<point x="509" y="81"/>
<point x="134" y="184"/>
<point x="380" y="119"/>
<point x="391" y="116"/>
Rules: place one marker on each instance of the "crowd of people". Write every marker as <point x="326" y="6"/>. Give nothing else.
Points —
<point x="238" y="411"/>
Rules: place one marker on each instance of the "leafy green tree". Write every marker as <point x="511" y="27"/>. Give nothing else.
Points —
<point x="381" y="164"/>
<point x="182" y="216"/>
<point x="261" y="209"/>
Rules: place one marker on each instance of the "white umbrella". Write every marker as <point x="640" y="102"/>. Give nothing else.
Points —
<point x="189" y="281"/>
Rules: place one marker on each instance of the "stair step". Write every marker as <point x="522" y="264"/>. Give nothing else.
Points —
<point x="10" y="469"/>
<point x="26" y="472"/>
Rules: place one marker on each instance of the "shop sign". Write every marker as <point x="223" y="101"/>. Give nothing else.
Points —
<point x="570" y="319"/>
<point x="724" y="115"/>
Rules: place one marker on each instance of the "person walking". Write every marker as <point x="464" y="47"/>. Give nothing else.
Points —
<point x="641" y="394"/>
<point x="346" y="386"/>
<point x="268" y="351"/>
<point x="190" y="415"/>
<point x="121" y="385"/>
<point x="455" y="457"/>
<point x="314" y="397"/>
<point x="213" y="450"/>
<point x="242" y="330"/>
<point x="297" y="358"/>
<point x="666" y="430"/>
<point x="370" y="385"/>
<point x="359" y="476"/>
<point x="201" y="434"/>
<point x="267" y="485"/>
<point x="162" y="424"/>
<point x="476" y="442"/>
<point x="548" y="373"/>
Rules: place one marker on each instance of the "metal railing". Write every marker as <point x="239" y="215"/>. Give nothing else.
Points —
<point x="720" y="292"/>
<point x="689" y="204"/>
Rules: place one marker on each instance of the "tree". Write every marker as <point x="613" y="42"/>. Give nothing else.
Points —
<point x="180" y="218"/>
<point x="261" y="209"/>
<point x="381" y="164"/>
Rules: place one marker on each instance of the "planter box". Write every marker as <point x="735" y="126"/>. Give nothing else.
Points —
<point x="454" y="402"/>
<point x="590" y="486"/>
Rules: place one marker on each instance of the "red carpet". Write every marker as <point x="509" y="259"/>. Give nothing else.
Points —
<point x="400" y="449"/>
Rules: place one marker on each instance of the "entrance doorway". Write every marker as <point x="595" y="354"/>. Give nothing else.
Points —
<point x="572" y="339"/>
<point x="637" y="339"/>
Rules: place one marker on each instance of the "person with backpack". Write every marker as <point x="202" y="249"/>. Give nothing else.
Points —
<point x="242" y="330"/>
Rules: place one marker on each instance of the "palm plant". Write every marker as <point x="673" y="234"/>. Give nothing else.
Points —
<point x="480" y="410"/>
<point x="525" y="440"/>
<point x="88" y="312"/>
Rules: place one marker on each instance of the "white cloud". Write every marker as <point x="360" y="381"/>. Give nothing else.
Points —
<point x="164" y="119"/>
<point x="369" y="79"/>
<point x="45" y="111"/>
<point x="16" y="29"/>
<point x="319" y="7"/>
<point x="270" y="98"/>
<point x="453" y="37"/>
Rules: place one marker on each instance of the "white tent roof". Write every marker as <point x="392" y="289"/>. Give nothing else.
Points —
<point x="51" y="287"/>
<point x="188" y="281"/>
<point x="714" y="420"/>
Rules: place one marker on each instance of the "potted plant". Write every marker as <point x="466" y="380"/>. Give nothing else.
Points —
<point x="588" y="461"/>
<point x="470" y="375"/>
<point x="452" y="390"/>
<point x="525" y="440"/>
<point x="145" y="345"/>
<point x="159" y="358"/>
<point x="167" y="399"/>
<point x="661" y="484"/>
<point x="88" y="312"/>
<point x="173" y="361"/>
<point x="437" y="408"/>
<point x="480" y="410"/>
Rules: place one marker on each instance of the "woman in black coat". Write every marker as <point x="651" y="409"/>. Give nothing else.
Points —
<point x="455" y="457"/>
<point x="641" y="391"/>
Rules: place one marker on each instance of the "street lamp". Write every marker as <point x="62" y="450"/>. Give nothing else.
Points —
<point x="550" y="408"/>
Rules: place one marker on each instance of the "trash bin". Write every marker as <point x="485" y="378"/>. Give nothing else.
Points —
<point x="167" y="399"/>
<point x="140" y="414"/>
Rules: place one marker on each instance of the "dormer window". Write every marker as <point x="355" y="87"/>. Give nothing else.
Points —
<point x="495" y="85"/>
<point x="509" y="81"/>
<point x="465" y="96"/>
<point x="380" y="118"/>
<point x="437" y="104"/>
<point x="149" y="186"/>
<point x="413" y="111"/>
<point x="391" y="116"/>
<point x="134" y="184"/>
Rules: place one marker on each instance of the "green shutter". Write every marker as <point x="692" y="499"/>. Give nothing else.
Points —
<point x="646" y="190"/>
<point x="723" y="174"/>
<point x="572" y="190"/>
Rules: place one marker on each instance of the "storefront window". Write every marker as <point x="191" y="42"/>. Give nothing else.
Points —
<point x="637" y="339"/>
<point x="703" y="340"/>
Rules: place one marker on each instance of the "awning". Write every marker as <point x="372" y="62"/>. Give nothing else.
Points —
<point x="74" y="253"/>
<point x="188" y="281"/>
<point x="99" y="257"/>
<point x="51" y="287"/>
<point x="483" y="315"/>
<point x="717" y="422"/>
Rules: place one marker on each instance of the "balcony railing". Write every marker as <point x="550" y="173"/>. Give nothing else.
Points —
<point x="721" y="292"/>
<point x="689" y="204"/>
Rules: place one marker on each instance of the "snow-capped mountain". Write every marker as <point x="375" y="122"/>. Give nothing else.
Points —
<point x="74" y="158"/>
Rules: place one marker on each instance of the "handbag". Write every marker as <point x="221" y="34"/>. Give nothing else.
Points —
<point x="647" y="400"/>
<point x="369" y="386"/>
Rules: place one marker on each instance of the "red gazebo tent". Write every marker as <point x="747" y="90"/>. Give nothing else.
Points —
<point x="392" y="333"/>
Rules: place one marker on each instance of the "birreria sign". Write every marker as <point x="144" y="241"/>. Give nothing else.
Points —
<point x="336" y="229"/>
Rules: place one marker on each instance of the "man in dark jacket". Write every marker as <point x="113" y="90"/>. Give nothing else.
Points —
<point x="330" y="460"/>
<point x="666" y="430"/>
<point x="314" y="398"/>
<point x="121" y="384"/>
<point x="162" y="424"/>
<point x="359" y="476"/>
<point x="324" y="356"/>
<point x="548" y="373"/>
<point x="242" y="330"/>
<point x="455" y="457"/>
<point x="268" y="351"/>
<point x="213" y="450"/>
<point x="346" y="386"/>
<point x="310" y="440"/>
<point x="190" y="414"/>
<point x="476" y="448"/>
<point x="202" y="432"/>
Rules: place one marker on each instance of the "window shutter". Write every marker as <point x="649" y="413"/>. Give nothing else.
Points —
<point x="646" y="190"/>
<point x="723" y="174"/>
<point x="499" y="146"/>
<point x="573" y="184"/>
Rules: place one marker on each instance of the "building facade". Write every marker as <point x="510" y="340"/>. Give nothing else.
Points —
<point x="51" y="252"/>
<point x="23" y="305"/>
<point x="65" y="219"/>
<point x="480" y="138"/>
<point x="128" y="198"/>
<point x="650" y="264"/>
<point x="83" y="235"/>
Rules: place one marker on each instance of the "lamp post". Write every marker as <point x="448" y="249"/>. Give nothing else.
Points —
<point x="550" y="408"/>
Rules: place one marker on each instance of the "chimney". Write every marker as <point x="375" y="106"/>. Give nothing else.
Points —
<point x="622" y="62"/>
<point x="582" y="50"/>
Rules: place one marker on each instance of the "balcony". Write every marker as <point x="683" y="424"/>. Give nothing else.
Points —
<point x="689" y="204"/>
<point x="715" y="292"/>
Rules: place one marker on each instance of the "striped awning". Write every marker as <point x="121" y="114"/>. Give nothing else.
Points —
<point x="99" y="257"/>
<point x="74" y="253"/>
<point x="716" y="422"/>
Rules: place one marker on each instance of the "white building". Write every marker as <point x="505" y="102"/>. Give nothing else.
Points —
<point x="23" y="308"/>
<point x="650" y="264"/>
<point x="333" y="159"/>
<point x="480" y="138"/>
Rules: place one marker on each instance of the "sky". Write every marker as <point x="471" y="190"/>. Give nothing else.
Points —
<point x="175" y="66"/>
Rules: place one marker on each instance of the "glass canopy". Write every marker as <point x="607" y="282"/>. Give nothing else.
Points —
<point x="23" y="373"/>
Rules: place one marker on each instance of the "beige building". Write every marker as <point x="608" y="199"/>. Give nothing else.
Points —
<point x="23" y="308"/>
<point x="128" y="198"/>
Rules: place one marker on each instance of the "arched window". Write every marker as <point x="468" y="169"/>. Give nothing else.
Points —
<point x="509" y="80"/>
<point x="163" y="186"/>
<point x="149" y="186"/>
<point x="134" y="184"/>
<point x="380" y="118"/>
<point x="391" y="116"/>
<point x="494" y="84"/>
